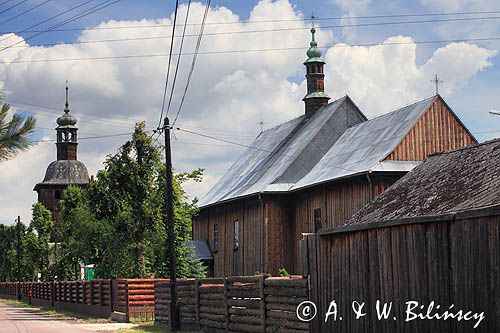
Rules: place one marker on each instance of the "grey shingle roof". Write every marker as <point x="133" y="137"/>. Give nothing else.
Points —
<point x="363" y="147"/>
<point x="282" y="155"/>
<point x="65" y="172"/>
<point x="445" y="183"/>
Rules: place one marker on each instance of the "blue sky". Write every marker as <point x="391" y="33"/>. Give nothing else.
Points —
<point x="231" y="93"/>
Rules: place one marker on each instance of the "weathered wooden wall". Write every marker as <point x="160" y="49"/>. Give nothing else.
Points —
<point x="450" y="262"/>
<point x="244" y="260"/>
<point x="338" y="202"/>
<point x="437" y="130"/>
<point x="285" y="218"/>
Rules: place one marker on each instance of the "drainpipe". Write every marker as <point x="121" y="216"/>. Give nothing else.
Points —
<point x="370" y="198"/>
<point x="261" y="232"/>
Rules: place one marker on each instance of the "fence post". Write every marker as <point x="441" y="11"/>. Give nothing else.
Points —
<point x="127" y="314"/>
<point x="52" y="293"/>
<point x="312" y="283"/>
<point x="197" y="302"/>
<point x="226" y="307"/>
<point x="91" y="285"/>
<point x="101" y="300"/>
<point x="111" y="295"/>
<point x="262" y="302"/>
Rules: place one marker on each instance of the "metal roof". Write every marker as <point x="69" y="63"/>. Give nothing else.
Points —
<point x="201" y="249"/>
<point x="281" y="156"/>
<point x="363" y="147"/>
<point x="450" y="182"/>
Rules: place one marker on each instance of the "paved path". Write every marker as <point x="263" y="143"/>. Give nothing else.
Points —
<point x="22" y="320"/>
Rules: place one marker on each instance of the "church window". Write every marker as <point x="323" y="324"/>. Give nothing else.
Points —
<point x="236" y="244"/>
<point x="317" y="219"/>
<point x="216" y="238"/>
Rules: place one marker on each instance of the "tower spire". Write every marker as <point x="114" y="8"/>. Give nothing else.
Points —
<point x="66" y="109"/>
<point x="316" y="96"/>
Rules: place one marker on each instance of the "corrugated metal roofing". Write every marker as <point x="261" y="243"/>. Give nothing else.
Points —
<point x="282" y="155"/>
<point x="450" y="182"/>
<point x="363" y="147"/>
<point x="201" y="250"/>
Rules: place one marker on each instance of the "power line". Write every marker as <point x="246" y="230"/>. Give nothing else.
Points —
<point x="44" y="21"/>
<point x="251" y="50"/>
<point x="126" y="124"/>
<point x="14" y="6"/>
<point x="93" y="137"/>
<point x="168" y="66"/>
<point x="5" y="2"/>
<point x="198" y="43"/>
<point x="25" y="12"/>
<point x="240" y="32"/>
<point x="178" y="60"/>
<point x="87" y="12"/>
<point x="271" y="21"/>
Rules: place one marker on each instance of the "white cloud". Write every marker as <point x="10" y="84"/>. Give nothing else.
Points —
<point x="382" y="77"/>
<point x="229" y="94"/>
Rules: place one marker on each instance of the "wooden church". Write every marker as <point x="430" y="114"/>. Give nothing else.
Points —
<point x="314" y="172"/>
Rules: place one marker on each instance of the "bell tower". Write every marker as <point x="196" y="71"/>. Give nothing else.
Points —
<point x="66" y="134"/>
<point x="316" y="96"/>
<point x="66" y="169"/>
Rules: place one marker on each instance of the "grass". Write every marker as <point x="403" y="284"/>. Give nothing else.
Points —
<point x="57" y="313"/>
<point x="150" y="327"/>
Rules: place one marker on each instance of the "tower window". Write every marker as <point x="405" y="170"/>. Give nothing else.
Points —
<point x="216" y="238"/>
<point x="236" y="243"/>
<point x="57" y="195"/>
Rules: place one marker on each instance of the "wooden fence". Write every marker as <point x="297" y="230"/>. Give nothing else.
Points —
<point x="245" y="304"/>
<point x="91" y="298"/>
<point x="451" y="260"/>
<point x="125" y="299"/>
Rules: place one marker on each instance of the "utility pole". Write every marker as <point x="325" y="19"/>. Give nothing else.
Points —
<point x="169" y="223"/>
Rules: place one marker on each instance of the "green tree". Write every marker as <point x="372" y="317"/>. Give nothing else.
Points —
<point x="14" y="133"/>
<point x="43" y="224"/>
<point x="18" y="246"/>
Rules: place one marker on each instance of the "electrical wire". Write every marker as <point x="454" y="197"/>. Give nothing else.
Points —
<point x="272" y="21"/>
<point x="227" y="33"/>
<point x="198" y="43"/>
<point x="167" y="75"/>
<point x="14" y="6"/>
<point x="178" y="60"/>
<point x="87" y="12"/>
<point x="24" y="12"/>
<point x="5" y="2"/>
<point x="252" y="50"/>
<point x="44" y="21"/>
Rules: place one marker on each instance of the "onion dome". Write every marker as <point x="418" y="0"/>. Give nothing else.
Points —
<point x="314" y="53"/>
<point x="67" y="120"/>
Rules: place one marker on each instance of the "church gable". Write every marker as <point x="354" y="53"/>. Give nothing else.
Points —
<point x="438" y="129"/>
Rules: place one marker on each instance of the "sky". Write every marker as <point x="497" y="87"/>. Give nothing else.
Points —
<point x="383" y="54"/>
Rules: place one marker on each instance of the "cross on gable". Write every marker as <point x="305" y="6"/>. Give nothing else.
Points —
<point x="437" y="81"/>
